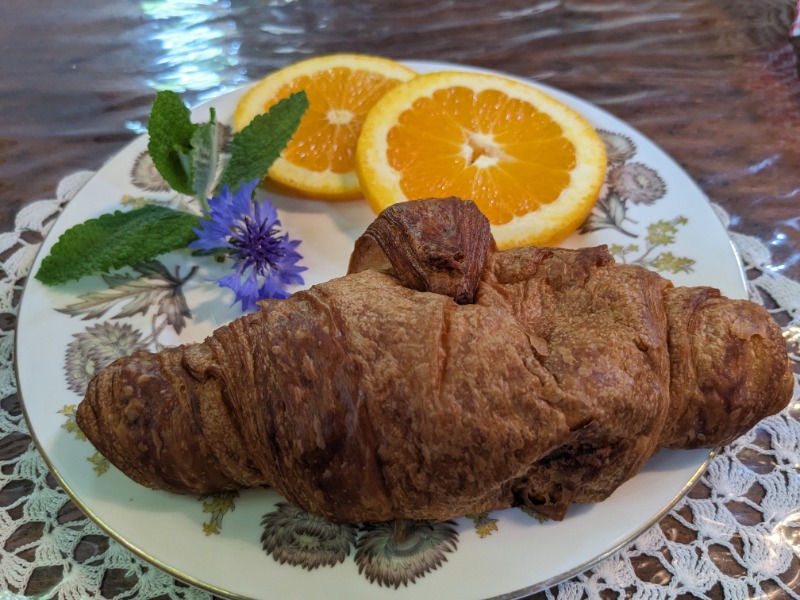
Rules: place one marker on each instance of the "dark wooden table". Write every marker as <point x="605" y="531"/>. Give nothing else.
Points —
<point x="714" y="83"/>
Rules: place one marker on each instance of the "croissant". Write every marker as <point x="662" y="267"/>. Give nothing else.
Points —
<point x="442" y="377"/>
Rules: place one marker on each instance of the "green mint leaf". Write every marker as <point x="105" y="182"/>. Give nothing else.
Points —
<point x="257" y="146"/>
<point x="116" y="240"/>
<point x="171" y="132"/>
<point x="205" y="160"/>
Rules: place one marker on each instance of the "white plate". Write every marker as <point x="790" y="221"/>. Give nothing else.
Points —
<point x="665" y="217"/>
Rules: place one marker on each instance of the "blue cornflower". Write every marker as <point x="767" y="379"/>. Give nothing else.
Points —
<point x="265" y="261"/>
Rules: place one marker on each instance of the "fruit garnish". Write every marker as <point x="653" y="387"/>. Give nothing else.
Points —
<point x="341" y="88"/>
<point x="533" y="165"/>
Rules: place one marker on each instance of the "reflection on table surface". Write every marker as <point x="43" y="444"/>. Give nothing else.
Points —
<point x="714" y="83"/>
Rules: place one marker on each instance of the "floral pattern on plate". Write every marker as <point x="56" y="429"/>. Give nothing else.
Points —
<point x="631" y="183"/>
<point x="391" y="554"/>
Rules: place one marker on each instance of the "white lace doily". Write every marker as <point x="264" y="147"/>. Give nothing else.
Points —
<point x="719" y="553"/>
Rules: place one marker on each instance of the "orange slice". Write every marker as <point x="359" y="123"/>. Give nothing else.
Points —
<point x="533" y="165"/>
<point x="341" y="88"/>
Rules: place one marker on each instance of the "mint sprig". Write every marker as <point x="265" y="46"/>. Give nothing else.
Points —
<point x="189" y="157"/>
<point x="116" y="240"/>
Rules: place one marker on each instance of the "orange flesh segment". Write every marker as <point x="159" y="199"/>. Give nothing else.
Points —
<point x="483" y="146"/>
<point x="339" y="100"/>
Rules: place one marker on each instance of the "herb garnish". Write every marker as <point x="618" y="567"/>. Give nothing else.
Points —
<point x="116" y="240"/>
<point x="189" y="156"/>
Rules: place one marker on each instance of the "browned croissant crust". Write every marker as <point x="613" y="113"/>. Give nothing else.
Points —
<point x="442" y="377"/>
